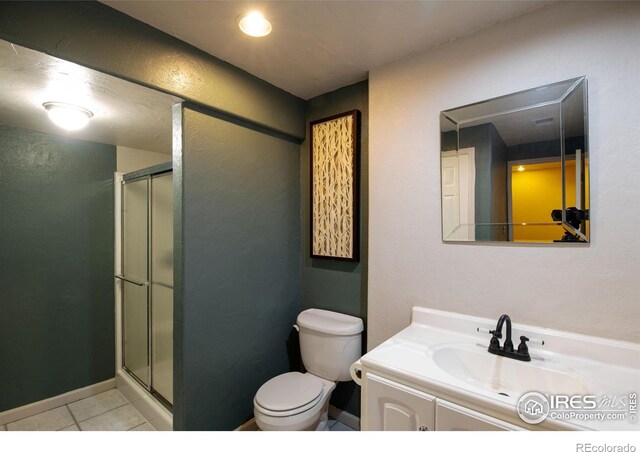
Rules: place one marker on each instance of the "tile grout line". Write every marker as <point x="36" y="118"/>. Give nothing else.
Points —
<point x="67" y="405"/>
<point x="73" y="417"/>
<point x="90" y="396"/>
<point x="77" y="423"/>
<point x="136" y="426"/>
<point x="344" y="425"/>
<point x="108" y="411"/>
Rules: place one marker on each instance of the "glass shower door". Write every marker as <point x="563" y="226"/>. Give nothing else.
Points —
<point x="135" y="278"/>
<point x="162" y="285"/>
<point x="147" y="281"/>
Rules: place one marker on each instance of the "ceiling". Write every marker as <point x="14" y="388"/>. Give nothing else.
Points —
<point x="530" y="116"/>
<point x="125" y="114"/>
<point x="319" y="46"/>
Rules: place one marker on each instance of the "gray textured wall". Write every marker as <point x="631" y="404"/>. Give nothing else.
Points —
<point x="479" y="137"/>
<point x="56" y="231"/>
<point x="335" y="285"/>
<point x="237" y="268"/>
<point x="96" y="36"/>
<point x="491" y="161"/>
<point x="99" y="37"/>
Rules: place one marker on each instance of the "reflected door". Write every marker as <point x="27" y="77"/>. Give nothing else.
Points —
<point x="162" y="285"/>
<point x="135" y="278"/>
<point x="458" y="195"/>
<point x="450" y="195"/>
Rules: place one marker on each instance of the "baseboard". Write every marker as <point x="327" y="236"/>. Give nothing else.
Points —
<point x="249" y="426"/>
<point x="15" y="414"/>
<point x="347" y="419"/>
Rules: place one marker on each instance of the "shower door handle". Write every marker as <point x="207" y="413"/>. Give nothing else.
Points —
<point x="137" y="283"/>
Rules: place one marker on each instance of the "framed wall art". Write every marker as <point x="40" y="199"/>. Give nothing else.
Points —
<point x="335" y="151"/>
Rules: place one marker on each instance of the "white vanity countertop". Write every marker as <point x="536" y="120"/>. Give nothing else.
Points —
<point x="442" y="352"/>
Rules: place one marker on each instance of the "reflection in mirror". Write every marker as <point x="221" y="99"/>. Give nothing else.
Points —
<point x="516" y="168"/>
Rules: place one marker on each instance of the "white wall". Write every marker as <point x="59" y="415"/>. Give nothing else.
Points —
<point x="130" y="159"/>
<point x="592" y="290"/>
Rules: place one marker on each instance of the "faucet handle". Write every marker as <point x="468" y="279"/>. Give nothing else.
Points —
<point x="533" y="340"/>
<point x="494" y="333"/>
<point x="525" y="339"/>
<point x="494" y="343"/>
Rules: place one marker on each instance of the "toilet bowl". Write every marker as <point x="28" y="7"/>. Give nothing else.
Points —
<point x="329" y="343"/>
<point x="293" y="401"/>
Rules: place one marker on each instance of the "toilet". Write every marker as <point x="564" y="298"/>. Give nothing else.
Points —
<point x="329" y="343"/>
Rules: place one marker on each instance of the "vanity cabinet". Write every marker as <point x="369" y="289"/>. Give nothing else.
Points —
<point x="436" y="374"/>
<point x="391" y="406"/>
<point x="452" y="417"/>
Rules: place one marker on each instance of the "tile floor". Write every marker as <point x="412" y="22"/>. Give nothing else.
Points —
<point x="106" y="411"/>
<point x="337" y="426"/>
<point x="109" y="410"/>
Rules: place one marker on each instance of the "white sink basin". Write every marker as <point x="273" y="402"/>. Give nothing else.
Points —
<point x="473" y="364"/>
<point x="442" y="354"/>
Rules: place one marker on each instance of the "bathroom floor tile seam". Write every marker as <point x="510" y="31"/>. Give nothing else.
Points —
<point x="100" y="418"/>
<point x="76" y="424"/>
<point x="109" y="411"/>
<point x="337" y="426"/>
<point x="72" y="417"/>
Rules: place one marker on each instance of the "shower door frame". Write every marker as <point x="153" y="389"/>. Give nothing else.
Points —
<point x="147" y="174"/>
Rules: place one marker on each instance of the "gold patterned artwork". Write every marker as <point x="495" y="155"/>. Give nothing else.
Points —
<point x="333" y="187"/>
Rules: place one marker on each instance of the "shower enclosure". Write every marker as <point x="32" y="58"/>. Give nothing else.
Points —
<point x="146" y="279"/>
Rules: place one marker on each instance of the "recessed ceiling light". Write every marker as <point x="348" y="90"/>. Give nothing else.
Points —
<point x="521" y="168"/>
<point x="67" y="116"/>
<point x="254" y="24"/>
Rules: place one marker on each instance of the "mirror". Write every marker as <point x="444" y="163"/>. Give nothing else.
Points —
<point x="516" y="168"/>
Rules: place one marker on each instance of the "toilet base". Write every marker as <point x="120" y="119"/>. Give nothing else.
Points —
<point x="323" y="421"/>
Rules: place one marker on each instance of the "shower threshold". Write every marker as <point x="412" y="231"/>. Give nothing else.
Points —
<point x="156" y="413"/>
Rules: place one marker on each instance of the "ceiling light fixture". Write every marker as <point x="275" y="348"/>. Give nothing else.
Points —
<point x="521" y="168"/>
<point x="543" y="121"/>
<point x="254" y="24"/>
<point x="67" y="116"/>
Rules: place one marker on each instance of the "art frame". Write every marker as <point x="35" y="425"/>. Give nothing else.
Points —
<point x="335" y="187"/>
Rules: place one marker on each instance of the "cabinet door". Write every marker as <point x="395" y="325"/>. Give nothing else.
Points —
<point x="454" y="417"/>
<point x="390" y="406"/>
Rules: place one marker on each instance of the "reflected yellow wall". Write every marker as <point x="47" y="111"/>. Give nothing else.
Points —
<point x="535" y="192"/>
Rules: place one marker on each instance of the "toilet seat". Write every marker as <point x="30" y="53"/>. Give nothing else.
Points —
<point x="288" y="394"/>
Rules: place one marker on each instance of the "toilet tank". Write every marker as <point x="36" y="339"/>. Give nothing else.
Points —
<point x="329" y="343"/>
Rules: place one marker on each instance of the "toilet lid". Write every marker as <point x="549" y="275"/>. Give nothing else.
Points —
<point x="289" y="391"/>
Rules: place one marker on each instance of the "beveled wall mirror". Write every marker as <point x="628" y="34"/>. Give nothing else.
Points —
<point x="516" y="168"/>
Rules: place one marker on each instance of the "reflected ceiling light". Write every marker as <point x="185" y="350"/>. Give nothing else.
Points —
<point x="254" y="24"/>
<point x="543" y="121"/>
<point x="521" y="168"/>
<point x="67" y="116"/>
